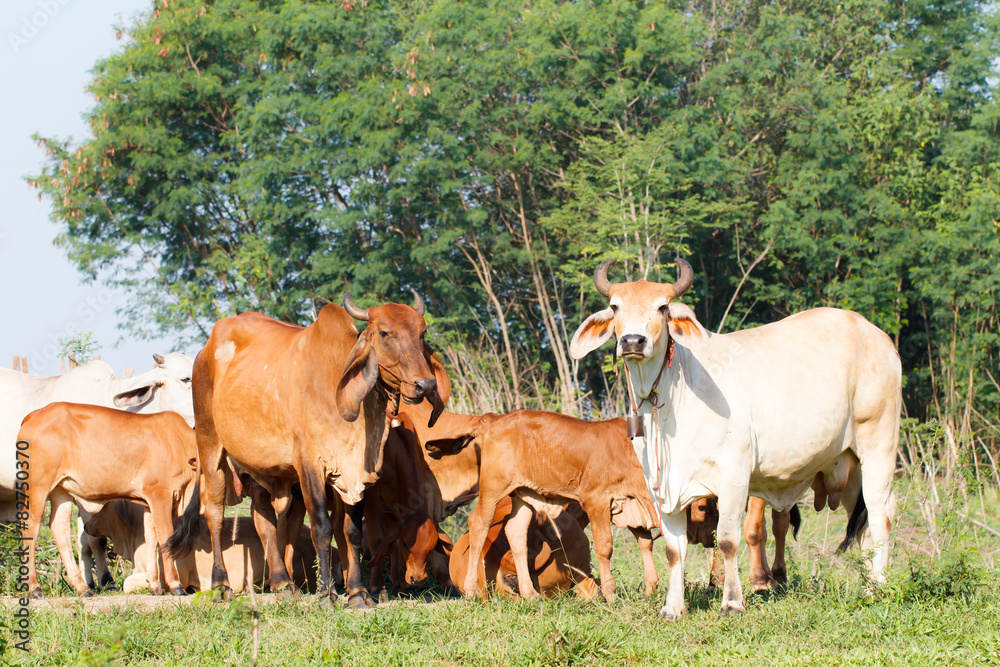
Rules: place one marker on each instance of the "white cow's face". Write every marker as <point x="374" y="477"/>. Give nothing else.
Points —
<point x="641" y="314"/>
<point x="165" y="388"/>
<point x="638" y="315"/>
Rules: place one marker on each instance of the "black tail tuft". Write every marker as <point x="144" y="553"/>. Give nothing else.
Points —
<point x="859" y="517"/>
<point x="190" y="524"/>
<point x="796" y="521"/>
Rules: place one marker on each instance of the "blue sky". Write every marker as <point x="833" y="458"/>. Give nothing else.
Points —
<point x="47" y="48"/>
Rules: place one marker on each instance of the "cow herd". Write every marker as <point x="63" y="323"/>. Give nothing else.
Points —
<point x="350" y="429"/>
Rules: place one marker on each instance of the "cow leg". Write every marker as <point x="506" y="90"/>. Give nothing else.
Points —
<point x="600" y="527"/>
<point x="154" y="574"/>
<point x="876" y="485"/>
<point x="479" y="527"/>
<point x="29" y="534"/>
<point x="214" y="499"/>
<point x="779" y="524"/>
<point x="93" y="554"/>
<point x="674" y="527"/>
<point x="265" y="521"/>
<point x="517" y="537"/>
<point x="731" y="506"/>
<point x="85" y="544"/>
<point x="289" y="529"/>
<point x="358" y="597"/>
<point x="60" y="522"/>
<point x="755" y="531"/>
<point x="160" y="509"/>
<point x="644" y="539"/>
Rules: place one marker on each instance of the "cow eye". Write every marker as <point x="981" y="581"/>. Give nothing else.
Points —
<point x="614" y="308"/>
<point x="185" y="379"/>
<point x="383" y="334"/>
<point x="663" y="308"/>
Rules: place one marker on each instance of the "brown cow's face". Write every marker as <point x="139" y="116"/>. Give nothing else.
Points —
<point x="392" y="349"/>
<point x="396" y="334"/>
<point x="419" y="540"/>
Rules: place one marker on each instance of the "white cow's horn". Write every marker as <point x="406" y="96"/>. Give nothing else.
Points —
<point x="353" y="310"/>
<point x="158" y="358"/>
<point x="685" y="280"/>
<point x="601" y="278"/>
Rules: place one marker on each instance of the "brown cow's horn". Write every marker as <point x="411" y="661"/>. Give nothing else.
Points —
<point x="353" y="310"/>
<point x="418" y="303"/>
<point x="685" y="280"/>
<point x="601" y="278"/>
<point x="158" y="358"/>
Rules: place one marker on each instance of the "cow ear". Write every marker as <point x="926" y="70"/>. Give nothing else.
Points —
<point x="593" y="333"/>
<point x="440" y="374"/>
<point x="360" y="376"/>
<point x="133" y="397"/>
<point x="685" y="327"/>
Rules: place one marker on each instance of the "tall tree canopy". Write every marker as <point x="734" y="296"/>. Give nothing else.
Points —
<point x="269" y="155"/>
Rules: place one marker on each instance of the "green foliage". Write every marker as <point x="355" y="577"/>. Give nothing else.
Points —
<point x="79" y="347"/>
<point x="267" y="156"/>
<point x="957" y="574"/>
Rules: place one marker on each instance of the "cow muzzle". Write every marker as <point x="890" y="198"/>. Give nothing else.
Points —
<point x="633" y="346"/>
<point x="422" y="389"/>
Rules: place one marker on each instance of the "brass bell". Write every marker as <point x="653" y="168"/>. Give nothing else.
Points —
<point x="635" y="426"/>
<point x="395" y="423"/>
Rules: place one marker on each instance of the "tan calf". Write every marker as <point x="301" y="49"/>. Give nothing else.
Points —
<point x="92" y="454"/>
<point x="547" y="460"/>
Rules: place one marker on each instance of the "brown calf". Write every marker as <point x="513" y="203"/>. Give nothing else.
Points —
<point x="547" y="460"/>
<point x="93" y="454"/>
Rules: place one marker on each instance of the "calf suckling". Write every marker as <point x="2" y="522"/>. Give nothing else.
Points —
<point x="546" y="460"/>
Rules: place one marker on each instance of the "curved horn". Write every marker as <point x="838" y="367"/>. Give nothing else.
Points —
<point x="418" y="303"/>
<point x="353" y="310"/>
<point x="158" y="358"/>
<point x="685" y="280"/>
<point x="601" y="278"/>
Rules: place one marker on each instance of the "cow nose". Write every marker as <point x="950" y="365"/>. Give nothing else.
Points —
<point x="633" y="344"/>
<point x="426" y="387"/>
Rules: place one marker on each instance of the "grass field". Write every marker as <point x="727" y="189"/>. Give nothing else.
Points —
<point x="941" y="607"/>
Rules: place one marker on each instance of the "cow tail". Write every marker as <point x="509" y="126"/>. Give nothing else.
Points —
<point x="181" y="542"/>
<point x="796" y="521"/>
<point x="859" y="517"/>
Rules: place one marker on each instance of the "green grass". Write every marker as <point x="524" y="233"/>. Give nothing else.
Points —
<point x="941" y="607"/>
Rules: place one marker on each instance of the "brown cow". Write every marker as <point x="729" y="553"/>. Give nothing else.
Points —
<point x="68" y="448"/>
<point x="547" y="460"/>
<point x="558" y="556"/>
<point x="122" y="522"/>
<point x="304" y="405"/>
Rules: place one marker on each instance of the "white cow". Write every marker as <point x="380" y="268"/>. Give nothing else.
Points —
<point x="760" y="412"/>
<point x="166" y="387"/>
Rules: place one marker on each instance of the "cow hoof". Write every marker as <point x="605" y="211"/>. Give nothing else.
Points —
<point x="225" y="593"/>
<point x="360" y="601"/>
<point x="108" y="584"/>
<point x="156" y="590"/>
<point x="732" y="609"/>
<point x="668" y="614"/>
<point x="327" y="599"/>
<point x="178" y="590"/>
<point x="383" y="596"/>
<point x="87" y="593"/>
<point x="36" y="593"/>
